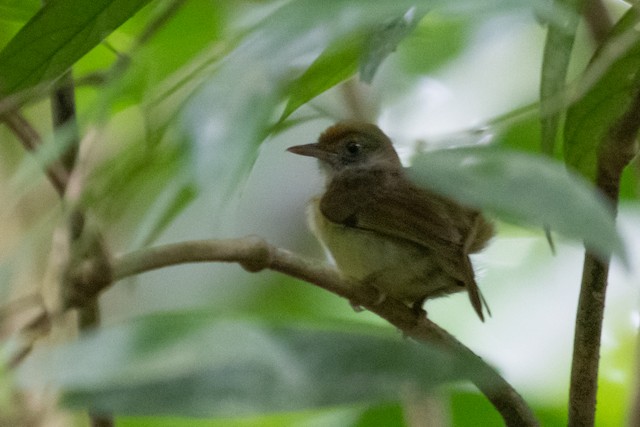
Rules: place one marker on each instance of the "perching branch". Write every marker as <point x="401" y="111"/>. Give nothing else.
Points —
<point x="254" y="254"/>
<point x="615" y="152"/>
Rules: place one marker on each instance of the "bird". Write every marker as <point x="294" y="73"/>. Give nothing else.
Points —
<point x="382" y="230"/>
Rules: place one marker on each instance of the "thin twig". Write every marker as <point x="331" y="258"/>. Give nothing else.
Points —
<point x="615" y="152"/>
<point x="30" y="139"/>
<point x="254" y="254"/>
<point x="63" y="109"/>
<point x="159" y="21"/>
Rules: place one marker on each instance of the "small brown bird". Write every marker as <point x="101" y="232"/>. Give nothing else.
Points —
<point x="383" y="230"/>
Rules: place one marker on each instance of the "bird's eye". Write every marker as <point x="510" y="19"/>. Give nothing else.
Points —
<point x="354" y="148"/>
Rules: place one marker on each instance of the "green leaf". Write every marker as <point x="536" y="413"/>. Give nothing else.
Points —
<point x="436" y="41"/>
<point x="336" y="64"/>
<point x="384" y="41"/>
<point x="615" y="68"/>
<point x="555" y="63"/>
<point x="57" y="36"/>
<point x="335" y="416"/>
<point x="191" y="364"/>
<point x="18" y="10"/>
<point x="524" y="188"/>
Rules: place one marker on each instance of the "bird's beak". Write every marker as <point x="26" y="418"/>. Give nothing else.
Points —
<point x="311" y="150"/>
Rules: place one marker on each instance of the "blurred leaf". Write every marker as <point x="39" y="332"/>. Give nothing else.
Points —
<point x="388" y="415"/>
<point x="555" y="63"/>
<point x="617" y="67"/>
<point x="340" y="416"/>
<point x="384" y="41"/>
<point x="373" y="32"/>
<point x="434" y="42"/>
<point x="524" y="188"/>
<point x="171" y="53"/>
<point x="467" y="408"/>
<point x="522" y="134"/>
<point x="18" y="10"/>
<point x="163" y="212"/>
<point x="137" y="174"/>
<point x="57" y="36"/>
<point x="194" y="365"/>
<point x="335" y="65"/>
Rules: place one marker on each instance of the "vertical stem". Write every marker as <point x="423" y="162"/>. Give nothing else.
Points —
<point x="63" y="109"/>
<point x="586" y="344"/>
<point x="615" y="152"/>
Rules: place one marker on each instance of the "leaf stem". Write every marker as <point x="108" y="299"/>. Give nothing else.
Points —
<point x="30" y="139"/>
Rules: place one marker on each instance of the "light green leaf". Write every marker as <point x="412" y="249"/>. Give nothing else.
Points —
<point x="336" y="64"/>
<point x="436" y="41"/>
<point x="335" y="416"/>
<point x="524" y="188"/>
<point x="57" y="36"/>
<point x="191" y="364"/>
<point x="555" y="63"/>
<point x="616" y="68"/>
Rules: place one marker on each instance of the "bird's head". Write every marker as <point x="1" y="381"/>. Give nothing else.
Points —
<point x="351" y="144"/>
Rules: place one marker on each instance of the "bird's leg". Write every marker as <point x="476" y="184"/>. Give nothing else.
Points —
<point x="417" y="308"/>
<point x="369" y="282"/>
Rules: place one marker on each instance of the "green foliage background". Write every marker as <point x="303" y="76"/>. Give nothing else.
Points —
<point x="185" y="109"/>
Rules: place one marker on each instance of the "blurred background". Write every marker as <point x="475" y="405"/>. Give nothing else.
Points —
<point x="176" y="145"/>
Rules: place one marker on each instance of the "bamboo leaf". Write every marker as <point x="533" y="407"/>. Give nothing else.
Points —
<point x="555" y="63"/>
<point x="57" y="36"/>
<point x="616" y="70"/>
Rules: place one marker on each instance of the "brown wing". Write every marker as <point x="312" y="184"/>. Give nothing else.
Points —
<point x="387" y="203"/>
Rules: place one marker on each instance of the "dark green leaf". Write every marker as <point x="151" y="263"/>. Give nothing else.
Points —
<point x="57" y="36"/>
<point x="616" y="68"/>
<point x="468" y="408"/>
<point x="389" y="415"/>
<point x="523" y="188"/>
<point x="555" y="63"/>
<point x="192" y="364"/>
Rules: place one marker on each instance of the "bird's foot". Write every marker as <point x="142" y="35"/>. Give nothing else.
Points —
<point x="418" y="310"/>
